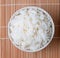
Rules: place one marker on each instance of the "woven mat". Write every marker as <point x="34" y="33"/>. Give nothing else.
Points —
<point x="7" y="8"/>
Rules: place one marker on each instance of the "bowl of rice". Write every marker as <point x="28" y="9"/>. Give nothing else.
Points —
<point x="31" y="29"/>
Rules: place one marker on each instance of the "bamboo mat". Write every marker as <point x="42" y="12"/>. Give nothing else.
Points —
<point x="7" y="8"/>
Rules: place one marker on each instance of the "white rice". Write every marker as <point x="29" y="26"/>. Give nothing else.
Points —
<point x="30" y="29"/>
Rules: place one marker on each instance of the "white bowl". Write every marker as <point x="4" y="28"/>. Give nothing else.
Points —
<point x="53" y="28"/>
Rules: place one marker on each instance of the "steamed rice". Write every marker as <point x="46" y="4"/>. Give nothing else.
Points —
<point x="30" y="29"/>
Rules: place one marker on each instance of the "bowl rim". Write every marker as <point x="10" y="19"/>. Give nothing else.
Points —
<point x="48" y="15"/>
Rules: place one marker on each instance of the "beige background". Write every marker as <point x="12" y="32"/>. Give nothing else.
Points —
<point x="7" y="8"/>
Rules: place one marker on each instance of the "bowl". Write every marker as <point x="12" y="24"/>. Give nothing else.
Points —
<point x="48" y="15"/>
